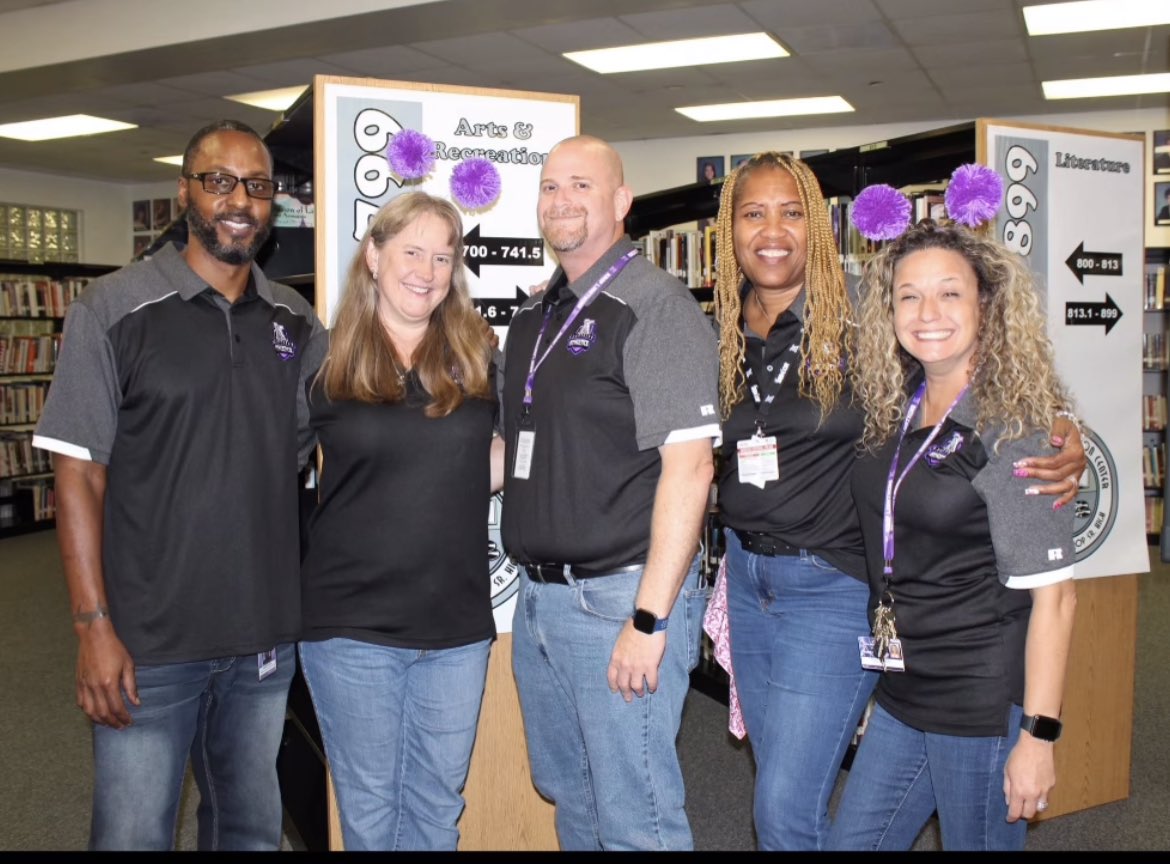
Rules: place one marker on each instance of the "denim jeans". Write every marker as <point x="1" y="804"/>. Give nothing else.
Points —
<point x="794" y="623"/>
<point x="229" y="722"/>
<point x="610" y="766"/>
<point x="398" y="726"/>
<point x="900" y="776"/>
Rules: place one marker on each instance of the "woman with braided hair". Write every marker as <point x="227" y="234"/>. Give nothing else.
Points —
<point x="795" y="570"/>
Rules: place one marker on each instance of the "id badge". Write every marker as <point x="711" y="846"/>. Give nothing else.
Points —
<point x="759" y="460"/>
<point x="894" y="661"/>
<point x="266" y="663"/>
<point x="525" y="442"/>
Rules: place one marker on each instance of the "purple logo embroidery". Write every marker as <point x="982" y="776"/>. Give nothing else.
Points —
<point x="941" y="450"/>
<point x="284" y="346"/>
<point x="584" y="337"/>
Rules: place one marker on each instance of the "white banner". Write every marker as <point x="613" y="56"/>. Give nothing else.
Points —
<point x="1073" y="208"/>
<point x="354" y="121"/>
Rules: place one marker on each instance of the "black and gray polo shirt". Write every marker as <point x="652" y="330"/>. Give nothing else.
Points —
<point x="197" y="408"/>
<point x="638" y="369"/>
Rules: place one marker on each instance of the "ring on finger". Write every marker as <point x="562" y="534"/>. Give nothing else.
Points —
<point x="1041" y="806"/>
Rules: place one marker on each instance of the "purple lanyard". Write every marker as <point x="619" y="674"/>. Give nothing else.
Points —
<point x="585" y="300"/>
<point x="892" y="485"/>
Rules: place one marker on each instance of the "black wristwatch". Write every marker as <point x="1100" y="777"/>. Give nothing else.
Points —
<point x="648" y="622"/>
<point x="1039" y="726"/>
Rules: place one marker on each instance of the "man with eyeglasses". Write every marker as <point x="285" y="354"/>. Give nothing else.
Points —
<point x="177" y="420"/>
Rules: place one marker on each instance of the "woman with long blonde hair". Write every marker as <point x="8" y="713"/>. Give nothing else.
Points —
<point x="395" y="588"/>
<point x="970" y="583"/>
<point x="795" y="570"/>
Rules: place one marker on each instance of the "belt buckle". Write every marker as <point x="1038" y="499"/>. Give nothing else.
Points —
<point x="767" y="545"/>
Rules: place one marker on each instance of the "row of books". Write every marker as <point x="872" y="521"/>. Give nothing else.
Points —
<point x="37" y="296"/>
<point x="1154" y="356"/>
<point x="1153" y="466"/>
<point x="37" y="492"/>
<point x="686" y="255"/>
<point x="1154" y="511"/>
<point x="22" y="401"/>
<point x="924" y="204"/>
<point x="19" y="458"/>
<point x="1154" y="298"/>
<point x="1154" y="413"/>
<point x="28" y="355"/>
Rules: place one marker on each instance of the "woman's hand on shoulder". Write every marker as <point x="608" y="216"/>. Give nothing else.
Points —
<point x="1062" y="472"/>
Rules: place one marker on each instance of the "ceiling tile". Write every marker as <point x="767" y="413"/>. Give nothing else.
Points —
<point x="810" y="40"/>
<point x="782" y="15"/>
<point x="580" y="35"/>
<point x="384" y="62"/>
<point x="980" y="26"/>
<point x="961" y="54"/>
<point x="482" y="48"/>
<point x="690" y="23"/>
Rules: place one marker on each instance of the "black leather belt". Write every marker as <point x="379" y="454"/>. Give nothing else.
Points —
<point x="765" y="544"/>
<point x="555" y="574"/>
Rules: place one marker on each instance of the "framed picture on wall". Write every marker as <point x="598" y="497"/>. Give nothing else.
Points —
<point x="1160" y="152"/>
<point x="140" y="216"/>
<point x="738" y="159"/>
<point x="1162" y="203"/>
<point x="806" y="154"/>
<point x="708" y="169"/>
<point x="141" y="241"/>
<point x="160" y="213"/>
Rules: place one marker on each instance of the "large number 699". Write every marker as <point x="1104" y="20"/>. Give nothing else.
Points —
<point x="372" y="130"/>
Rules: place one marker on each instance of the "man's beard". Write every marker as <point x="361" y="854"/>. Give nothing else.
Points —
<point x="563" y="238"/>
<point x="236" y="252"/>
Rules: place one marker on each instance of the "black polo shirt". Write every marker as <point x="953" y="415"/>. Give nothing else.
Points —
<point x="397" y="545"/>
<point x="196" y="407"/>
<point x="810" y="506"/>
<point x="636" y="370"/>
<point x="968" y="544"/>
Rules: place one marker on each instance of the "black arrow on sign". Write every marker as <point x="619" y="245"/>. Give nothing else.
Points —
<point x="1083" y="263"/>
<point x="515" y="251"/>
<point x="499" y="310"/>
<point x="1088" y="314"/>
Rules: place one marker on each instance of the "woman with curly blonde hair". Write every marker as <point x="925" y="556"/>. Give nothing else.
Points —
<point x="970" y="583"/>
<point x="794" y="578"/>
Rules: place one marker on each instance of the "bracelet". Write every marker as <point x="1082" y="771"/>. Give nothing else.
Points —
<point x="1073" y="419"/>
<point x="89" y="617"/>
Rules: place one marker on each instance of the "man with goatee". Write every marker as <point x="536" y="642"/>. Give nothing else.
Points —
<point x="177" y="420"/>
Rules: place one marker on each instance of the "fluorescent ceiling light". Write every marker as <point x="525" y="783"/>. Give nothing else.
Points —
<point x="70" y="126"/>
<point x="683" y="52"/>
<point x="773" y="108"/>
<point x="272" y="100"/>
<point x="1118" y="85"/>
<point x="1086" y="15"/>
<point x="170" y="160"/>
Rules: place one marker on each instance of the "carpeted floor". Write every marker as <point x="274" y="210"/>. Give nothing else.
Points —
<point x="46" y="780"/>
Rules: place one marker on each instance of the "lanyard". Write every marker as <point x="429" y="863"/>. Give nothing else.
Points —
<point x="893" y="484"/>
<point x="585" y="300"/>
<point x="764" y="405"/>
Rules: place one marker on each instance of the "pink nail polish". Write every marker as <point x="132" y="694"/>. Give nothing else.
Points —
<point x="1057" y="505"/>
<point x="1020" y="472"/>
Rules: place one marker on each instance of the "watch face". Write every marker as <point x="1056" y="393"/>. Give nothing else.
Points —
<point x="644" y="621"/>
<point x="1044" y="728"/>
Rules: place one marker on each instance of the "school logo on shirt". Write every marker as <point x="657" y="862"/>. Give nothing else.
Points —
<point x="940" y="450"/>
<point x="1096" y="501"/>
<point x="503" y="572"/>
<point x="583" y="338"/>
<point x="286" y="349"/>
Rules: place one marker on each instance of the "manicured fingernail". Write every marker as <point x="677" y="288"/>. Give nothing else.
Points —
<point x="1020" y="472"/>
<point x="1032" y="490"/>
<point x="1057" y="505"/>
<point x="1057" y="441"/>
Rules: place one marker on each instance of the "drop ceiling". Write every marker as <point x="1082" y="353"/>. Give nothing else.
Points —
<point x="893" y="60"/>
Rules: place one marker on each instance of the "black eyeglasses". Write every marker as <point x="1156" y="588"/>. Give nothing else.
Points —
<point x="222" y="184"/>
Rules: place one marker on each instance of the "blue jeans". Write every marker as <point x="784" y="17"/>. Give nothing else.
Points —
<point x="229" y="722"/>
<point x="610" y="766"/>
<point x="398" y="726"/>
<point x="900" y="776"/>
<point x="794" y="623"/>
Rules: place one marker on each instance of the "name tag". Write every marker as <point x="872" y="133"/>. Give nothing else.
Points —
<point x="893" y="662"/>
<point x="759" y="460"/>
<point x="525" y="442"/>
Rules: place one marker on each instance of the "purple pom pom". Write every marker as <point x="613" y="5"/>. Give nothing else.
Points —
<point x="475" y="184"/>
<point x="880" y="212"/>
<point x="974" y="195"/>
<point x="411" y="154"/>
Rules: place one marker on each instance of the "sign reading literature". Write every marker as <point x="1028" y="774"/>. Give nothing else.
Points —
<point x="355" y="118"/>
<point x="1068" y="191"/>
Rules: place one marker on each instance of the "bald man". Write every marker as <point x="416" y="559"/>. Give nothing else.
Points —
<point x="610" y="415"/>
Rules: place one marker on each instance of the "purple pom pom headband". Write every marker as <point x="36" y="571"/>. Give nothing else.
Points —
<point x="475" y="182"/>
<point x="972" y="198"/>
